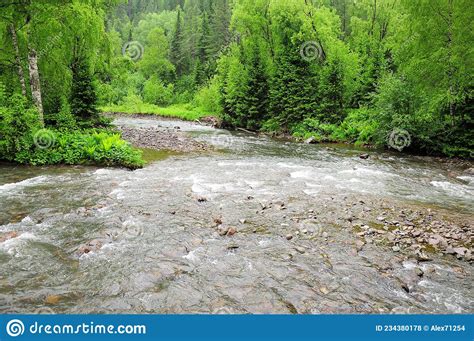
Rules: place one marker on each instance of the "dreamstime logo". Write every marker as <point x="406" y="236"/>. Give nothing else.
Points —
<point x="44" y="139"/>
<point x="399" y="139"/>
<point x="133" y="49"/>
<point x="311" y="50"/>
<point x="222" y="138"/>
<point x="132" y="230"/>
<point x="15" y="328"/>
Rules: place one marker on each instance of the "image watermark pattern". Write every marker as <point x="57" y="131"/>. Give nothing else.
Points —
<point x="399" y="139"/>
<point x="222" y="311"/>
<point x="15" y="328"/>
<point x="44" y="139"/>
<point x="133" y="50"/>
<point x="311" y="50"/>
<point x="222" y="138"/>
<point x="131" y="229"/>
<point x="44" y="311"/>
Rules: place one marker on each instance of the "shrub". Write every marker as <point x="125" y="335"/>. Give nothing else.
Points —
<point x="208" y="98"/>
<point x="155" y="92"/>
<point x="18" y="123"/>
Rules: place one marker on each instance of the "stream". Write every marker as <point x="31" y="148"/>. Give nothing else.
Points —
<point x="154" y="244"/>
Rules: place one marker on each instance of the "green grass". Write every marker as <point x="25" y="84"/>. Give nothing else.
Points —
<point x="181" y="111"/>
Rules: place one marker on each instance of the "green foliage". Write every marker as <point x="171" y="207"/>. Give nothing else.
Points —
<point x="181" y="111"/>
<point x="155" y="92"/>
<point x="208" y="98"/>
<point x="74" y="148"/>
<point x="18" y="123"/>
<point x="83" y="95"/>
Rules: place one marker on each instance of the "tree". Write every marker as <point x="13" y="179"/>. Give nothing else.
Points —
<point x="176" y="52"/>
<point x="83" y="96"/>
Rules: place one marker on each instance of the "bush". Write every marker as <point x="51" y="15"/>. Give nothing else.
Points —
<point x="18" y="123"/>
<point x="23" y="140"/>
<point x="358" y="127"/>
<point x="311" y="127"/>
<point x="155" y="92"/>
<point x="88" y="148"/>
<point x="208" y="98"/>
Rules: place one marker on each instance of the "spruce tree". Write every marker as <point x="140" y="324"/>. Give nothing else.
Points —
<point x="83" y="95"/>
<point x="258" y="91"/>
<point x="202" y="72"/>
<point x="176" y="55"/>
<point x="294" y="88"/>
<point x="331" y="94"/>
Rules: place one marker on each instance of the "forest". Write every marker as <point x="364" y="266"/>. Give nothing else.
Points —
<point x="394" y="74"/>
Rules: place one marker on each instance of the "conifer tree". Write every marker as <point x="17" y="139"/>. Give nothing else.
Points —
<point x="83" y="95"/>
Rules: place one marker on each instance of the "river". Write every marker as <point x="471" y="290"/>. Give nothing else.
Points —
<point x="154" y="246"/>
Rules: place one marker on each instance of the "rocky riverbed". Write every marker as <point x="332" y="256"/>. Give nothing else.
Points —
<point x="256" y="226"/>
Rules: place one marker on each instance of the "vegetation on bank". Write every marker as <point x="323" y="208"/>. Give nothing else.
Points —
<point x="55" y="119"/>
<point x="355" y="71"/>
<point x="340" y="70"/>
<point x="182" y="112"/>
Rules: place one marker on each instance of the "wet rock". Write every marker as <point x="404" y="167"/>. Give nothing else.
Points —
<point x="419" y="272"/>
<point x="222" y="230"/>
<point x="324" y="290"/>
<point x="311" y="140"/>
<point x="7" y="236"/>
<point x="289" y="237"/>
<point x="232" y="247"/>
<point x="300" y="249"/>
<point x="217" y="221"/>
<point x="405" y="287"/>
<point x="201" y="199"/>
<point x="231" y="231"/>
<point x="359" y="244"/>
<point x="423" y="257"/>
<point x="242" y="221"/>
<point x="396" y="248"/>
<point x="52" y="299"/>
<point x="364" y="156"/>
<point x="92" y="246"/>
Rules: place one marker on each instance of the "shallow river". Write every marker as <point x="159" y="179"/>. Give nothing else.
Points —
<point x="157" y="249"/>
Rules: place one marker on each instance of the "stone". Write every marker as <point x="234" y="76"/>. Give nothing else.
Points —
<point x="419" y="272"/>
<point x="231" y="231"/>
<point x="311" y="140"/>
<point x="222" y="230"/>
<point x="52" y="299"/>
<point x="364" y="156"/>
<point x="324" y="290"/>
<point x="289" y="237"/>
<point x="7" y="236"/>
<point x="396" y="248"/>
<point x="359" y="244"/>
<point x="300" y="249"/>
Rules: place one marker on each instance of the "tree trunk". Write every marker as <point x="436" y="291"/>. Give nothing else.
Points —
<point x="35" y="83"/>
<point x="21" y="74"/>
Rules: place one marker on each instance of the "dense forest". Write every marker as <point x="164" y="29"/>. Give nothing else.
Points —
<point x="391" y="73"/>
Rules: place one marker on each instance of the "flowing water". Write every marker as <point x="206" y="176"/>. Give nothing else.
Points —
<point x="158" y="251"/>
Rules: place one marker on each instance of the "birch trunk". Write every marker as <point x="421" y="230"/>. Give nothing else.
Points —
<point x="21" y="74"/>
<point x="35" y="83"/>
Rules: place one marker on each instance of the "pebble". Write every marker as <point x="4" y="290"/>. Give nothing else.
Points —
<point x="300" y="249"/>
<point x="419" y="272"/>
<point x="231" y="231"/>
<point x="289" y="237"/>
